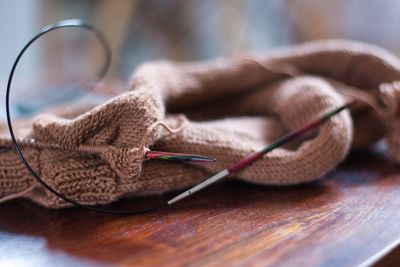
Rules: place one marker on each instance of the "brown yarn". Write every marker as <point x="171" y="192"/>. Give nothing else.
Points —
<point x="225" y="108"/>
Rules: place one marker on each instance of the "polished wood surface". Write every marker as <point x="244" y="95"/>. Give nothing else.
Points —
<point x="350" y="217"/>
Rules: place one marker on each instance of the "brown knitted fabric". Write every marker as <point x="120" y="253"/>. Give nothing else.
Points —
<point x="226" y="108"/>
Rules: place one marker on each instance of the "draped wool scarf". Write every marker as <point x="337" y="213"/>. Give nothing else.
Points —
<point x="225" y="108"/>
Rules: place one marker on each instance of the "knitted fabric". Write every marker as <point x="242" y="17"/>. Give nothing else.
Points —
<point x="226" y="108"/>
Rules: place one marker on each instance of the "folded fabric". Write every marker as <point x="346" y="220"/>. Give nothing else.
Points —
<point x="226" y="108"/>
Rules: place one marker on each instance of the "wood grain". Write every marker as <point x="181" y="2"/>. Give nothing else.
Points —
<point x="350" y="217"/>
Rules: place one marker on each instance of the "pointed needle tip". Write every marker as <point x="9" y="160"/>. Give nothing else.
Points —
<point x="202" y="159"/>
<point x="161" y="155"/>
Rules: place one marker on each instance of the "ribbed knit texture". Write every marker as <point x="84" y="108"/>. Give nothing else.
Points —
<point x="228" y="108"/>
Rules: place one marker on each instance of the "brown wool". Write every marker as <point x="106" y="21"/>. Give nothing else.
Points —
<point x="225" y="108"/>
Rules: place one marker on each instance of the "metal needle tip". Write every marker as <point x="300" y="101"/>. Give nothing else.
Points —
<point x="178" y="156"/>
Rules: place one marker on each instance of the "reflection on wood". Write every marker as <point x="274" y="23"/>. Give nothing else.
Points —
<point x="348" y="218"/>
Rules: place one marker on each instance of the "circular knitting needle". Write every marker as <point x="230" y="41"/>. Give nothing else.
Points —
<point x="150" y="154"/>
<point x="245" y="162"/>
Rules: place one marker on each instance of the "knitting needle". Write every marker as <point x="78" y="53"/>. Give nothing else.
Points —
<point x="150" y="154"/>
<point x="177" y="156"/>
<point x="257" y="155"/>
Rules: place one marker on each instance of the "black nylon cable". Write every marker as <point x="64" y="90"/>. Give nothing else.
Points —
<point x="102" y="39"/>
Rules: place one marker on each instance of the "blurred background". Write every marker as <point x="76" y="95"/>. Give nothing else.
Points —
<point x="178" y="30"/>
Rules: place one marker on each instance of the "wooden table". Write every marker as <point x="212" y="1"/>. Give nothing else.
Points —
<point x="350" y="217"/>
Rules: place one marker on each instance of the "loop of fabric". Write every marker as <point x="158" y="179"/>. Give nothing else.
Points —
<point x="17" y="194"/>
<point x="154" y="127"/>
<point x="390" y="96"/>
